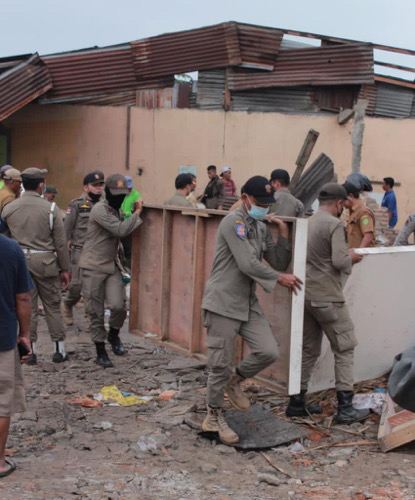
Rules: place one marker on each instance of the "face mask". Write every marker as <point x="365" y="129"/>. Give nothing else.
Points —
<point x="257" y="213"/>
<point x="94" y="197"/>
<point x="114" y="200"/>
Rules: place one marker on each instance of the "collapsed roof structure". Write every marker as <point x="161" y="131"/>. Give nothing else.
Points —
<point x="241" y="67"/>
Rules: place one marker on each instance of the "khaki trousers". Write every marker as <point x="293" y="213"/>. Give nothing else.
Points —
<point x="98" y="289"/>
<point x="221" y="334"/>
<point x="43" y="268"/>
<point x="75" y="288"/>
<point x="334" y="319"/>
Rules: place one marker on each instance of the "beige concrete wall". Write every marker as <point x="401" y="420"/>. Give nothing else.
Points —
<point x="72" y="140"/>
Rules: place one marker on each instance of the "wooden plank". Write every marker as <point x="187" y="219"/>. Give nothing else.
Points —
<point x="166" y="257"/>
<point x="397" y="426"/>
<point x="297" y="307"/>
<point x="304" y="156"/>
<point x="135" y="279"/>
<point x="198" y="282"/>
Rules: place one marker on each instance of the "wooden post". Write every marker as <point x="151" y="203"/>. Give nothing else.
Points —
<point x="198" y="275"/>
<point x="166" y="274"/>
<point x="227" y="99"/>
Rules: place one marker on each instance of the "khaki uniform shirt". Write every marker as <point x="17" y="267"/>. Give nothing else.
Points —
<point x="28" y="219"/>
<point x="405" y="232"/>
<point x="105" y="229"/>
<point x="327" y="258"/>
<point x="361" y="221"/>
<point x="241" y="243"/>
<point x="178" y="200"/>
<point x="286" y="205"/>
<point x="76" y="220"/>
<point x="6" y="196"/>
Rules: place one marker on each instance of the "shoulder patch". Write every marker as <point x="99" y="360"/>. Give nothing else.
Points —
<point x="365" y="220"/>
<point x="69" y="210"/>
<point x="240" y="229"/>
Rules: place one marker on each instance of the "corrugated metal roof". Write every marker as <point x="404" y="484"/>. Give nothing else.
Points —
<point x="96" y="71"/>
<point x="369" y="92"/>
<point x="281" y="99"/>
<point x="198" y="49"/>
<point x="259" y="46"/>
<point x="340" y="65"/>
<point x="313" y="179"/>
<point x="393" y="101"/>
<point x="22" y="83"/>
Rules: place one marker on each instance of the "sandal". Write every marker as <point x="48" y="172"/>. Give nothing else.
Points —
<point x="10" y="470"/>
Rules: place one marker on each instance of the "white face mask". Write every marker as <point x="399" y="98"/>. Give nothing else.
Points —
<point x="257" y="213"/>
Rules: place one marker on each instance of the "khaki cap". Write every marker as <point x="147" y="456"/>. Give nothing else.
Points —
<point x="34" y="173"/>
<point x="117" y="184"/>
<point x="332" y="191"/>
<point x="13" y="174"/>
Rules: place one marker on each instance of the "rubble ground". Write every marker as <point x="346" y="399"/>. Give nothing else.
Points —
<point x="67" y="451"/>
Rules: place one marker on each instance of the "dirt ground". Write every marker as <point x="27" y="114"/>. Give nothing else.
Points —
<point x="66" y="451"/>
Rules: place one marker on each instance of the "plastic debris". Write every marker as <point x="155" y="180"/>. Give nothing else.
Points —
<point x="86" y="402"/>
<point x="150" y="335"/>
<point x="370" y="400"/>
<point x="105" y="425"/>
<point x="146" y="443"/>
<point x="296" y="447"/>
<point x="168" y="395"/>
<point x="113" y="396"/>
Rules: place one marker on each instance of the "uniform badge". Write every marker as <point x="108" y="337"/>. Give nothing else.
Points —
<point x="69" y="210"/>
<point x="240" y="229"/>
<point x="365" y="220"/>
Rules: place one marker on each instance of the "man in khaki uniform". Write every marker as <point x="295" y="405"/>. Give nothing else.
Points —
<point x="325" y="308"/>
<point x="183" y="185"/>
<point x="75" y="226"/>
<point x="230" y="306"/>
<point x="12" y="186"/>
<point x="101" y="266"/>
<point x="37" y="226"/>
<point x="361" y="222"/>
<point x="285" y="203"/>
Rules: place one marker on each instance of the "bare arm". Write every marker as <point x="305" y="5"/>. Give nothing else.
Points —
<point x="23" y="312"/>
<point x="366" y="240"/>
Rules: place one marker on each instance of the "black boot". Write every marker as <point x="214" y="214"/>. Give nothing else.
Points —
<point x="116" y="344"/>
<point x="297" y="406"/>
<point x="102" y="356"/>
<point x="347" y="413"/>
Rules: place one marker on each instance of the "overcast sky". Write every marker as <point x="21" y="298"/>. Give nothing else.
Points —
<point x="48" y="26"/>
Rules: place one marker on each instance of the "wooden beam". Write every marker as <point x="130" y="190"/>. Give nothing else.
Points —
<point x="166" y="262"/>
<point x="198" y="280"/>
<point x="394" y="81"/>
<point x="394" y="66"/>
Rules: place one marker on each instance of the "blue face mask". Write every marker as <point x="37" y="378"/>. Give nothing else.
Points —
<point x="257" y="213"/>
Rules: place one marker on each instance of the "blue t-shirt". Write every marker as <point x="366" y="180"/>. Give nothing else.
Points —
<point x="14" y="279"/>
<point x="389" y="201"/>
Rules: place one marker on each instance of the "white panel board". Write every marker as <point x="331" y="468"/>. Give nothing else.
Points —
<point x="380" y="298"/>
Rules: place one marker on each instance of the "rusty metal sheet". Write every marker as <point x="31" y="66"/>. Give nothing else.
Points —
<point x="211" y="89"/>
<point x="22" y="79"/>
<point x="369" y="92"/>
<point x="198" y="49"/>
<point x="125" y="98"/>
<point x="336" y="97"/>
<point x="340" y="65"/>
<point x="393" y="101"/>
<point x="277" y="100"/>
<point x="259" y="46"/>
<point x="97" y="70"/>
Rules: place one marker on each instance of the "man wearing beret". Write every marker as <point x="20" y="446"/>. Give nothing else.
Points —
<point x="325" y="309"/>
<point x="37" y="226"/>
<point x="102" y="269"/>
<point x="230" y="306"/>
<point x="75" y="226"/>
<point x="361" y="222"/>
<point x="12" y="185"/>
